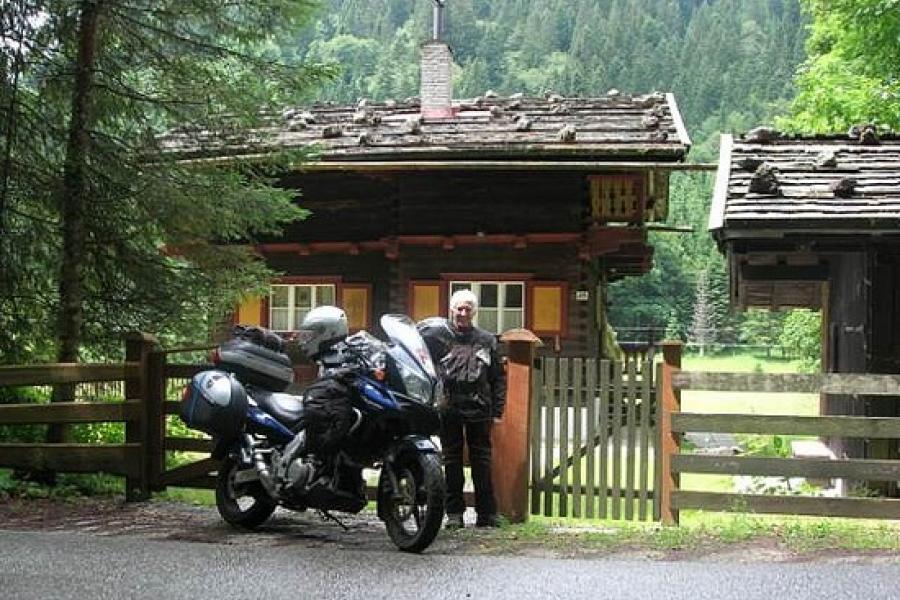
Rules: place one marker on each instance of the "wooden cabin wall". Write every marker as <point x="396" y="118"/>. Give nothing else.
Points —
<point x="885" y="344"/>
<point x="390" y="280"/>
<point x="359" y="207"/>
<point x="848" y="330"/>
<point x="540" y="262"/>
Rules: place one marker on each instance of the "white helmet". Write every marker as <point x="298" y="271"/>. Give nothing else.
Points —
<point x="321" y="327"/>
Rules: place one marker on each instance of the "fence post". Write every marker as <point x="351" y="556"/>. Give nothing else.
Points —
<point x="669" y="441"/>
<point x="511" y="435"/>
<point x="138" y="347"/>
<point x="155" y="446"/>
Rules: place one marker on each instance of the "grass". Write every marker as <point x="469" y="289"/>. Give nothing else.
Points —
<point x="702" y="533"/>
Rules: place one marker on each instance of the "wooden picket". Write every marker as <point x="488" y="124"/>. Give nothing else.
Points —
<point x="593" y="424"/>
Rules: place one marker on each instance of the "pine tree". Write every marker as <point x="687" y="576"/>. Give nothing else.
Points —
<point x="703" y="325"/>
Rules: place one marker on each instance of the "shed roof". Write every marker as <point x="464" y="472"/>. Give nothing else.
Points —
<point x="613" y="127"/>
<point x="824" y="184"/>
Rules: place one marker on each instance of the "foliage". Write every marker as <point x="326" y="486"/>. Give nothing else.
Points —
<point x="802" y="333"/>
<point x="852" y="74"/>
<point x="102" y="232"/>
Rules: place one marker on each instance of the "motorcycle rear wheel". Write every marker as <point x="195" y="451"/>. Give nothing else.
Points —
<point x="414" y="519"/>
<point x="244" y="505"/>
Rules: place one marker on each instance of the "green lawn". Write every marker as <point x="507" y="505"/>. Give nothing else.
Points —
<point x="746" y="402"/>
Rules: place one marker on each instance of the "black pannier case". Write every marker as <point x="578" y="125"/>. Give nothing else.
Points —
<point x="216" y="403"/>
<point x="256" y="365"/>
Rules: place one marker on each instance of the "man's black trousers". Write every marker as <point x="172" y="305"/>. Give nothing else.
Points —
<point x="454" y="431"/>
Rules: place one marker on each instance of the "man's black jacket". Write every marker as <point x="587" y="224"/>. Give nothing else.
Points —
<point x="474" y="379"/>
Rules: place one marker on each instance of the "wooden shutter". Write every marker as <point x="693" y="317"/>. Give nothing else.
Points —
<point x="356" y="300"/>
<point x="252" y="311"/>
<point x="547" y="307"/>
<point x="425" y="299"/>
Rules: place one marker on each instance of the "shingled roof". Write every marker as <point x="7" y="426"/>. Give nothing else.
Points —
<point x="613" y="127"/>
<point x="830" y="184"/>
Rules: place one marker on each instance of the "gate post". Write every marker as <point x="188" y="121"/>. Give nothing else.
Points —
<point x="669" y="402"/>
<point x="138" y="347"/>
<point x="155" y="444"/>
<point x="511" y="435"/>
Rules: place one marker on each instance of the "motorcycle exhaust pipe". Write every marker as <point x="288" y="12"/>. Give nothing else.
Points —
<point x="262" y="469"/>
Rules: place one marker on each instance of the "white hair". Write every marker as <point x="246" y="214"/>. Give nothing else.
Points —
<point x="461" y="296"/>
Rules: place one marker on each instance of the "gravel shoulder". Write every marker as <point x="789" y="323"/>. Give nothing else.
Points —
<point x="163" y="520"/>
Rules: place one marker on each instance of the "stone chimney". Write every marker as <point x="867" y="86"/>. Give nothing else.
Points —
<point x="437" y="85"/>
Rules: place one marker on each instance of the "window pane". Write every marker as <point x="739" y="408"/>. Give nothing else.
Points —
<point x="278" y="319"/>
<point x="489" y="295"/>
<point x="458" y="285"/>
<point x="512" y="319"/>
<point x="279" y="296"/>
<point x="303" y="296"/>
<point x="487" y="319"/>
<point x="324" y="294"/>
<point x="299" y="314"/>
<point x="513" y="295"/>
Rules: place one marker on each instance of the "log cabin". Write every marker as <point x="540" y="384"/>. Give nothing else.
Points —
<point x="814" y="222"/>
<point x="533" y="203"/>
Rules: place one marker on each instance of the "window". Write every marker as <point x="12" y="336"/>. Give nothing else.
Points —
<point x="501" y="304"/>
<point x="289" y="304"/>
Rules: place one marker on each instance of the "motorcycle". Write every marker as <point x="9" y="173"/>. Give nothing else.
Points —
<point x="262" y="436"/>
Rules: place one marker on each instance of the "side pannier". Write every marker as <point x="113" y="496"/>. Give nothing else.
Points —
<point x="216" y="403"/>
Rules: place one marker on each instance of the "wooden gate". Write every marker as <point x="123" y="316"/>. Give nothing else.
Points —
<point x="593" y="433"/>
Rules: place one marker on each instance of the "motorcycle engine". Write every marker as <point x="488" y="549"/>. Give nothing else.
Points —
<point x="300" y="474"/>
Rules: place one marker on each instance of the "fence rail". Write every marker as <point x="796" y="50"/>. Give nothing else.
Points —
<point x="671" y="381"/>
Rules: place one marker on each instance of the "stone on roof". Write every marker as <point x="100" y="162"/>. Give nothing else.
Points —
<point x="817" y="183"/>
<point x="615" y="126"/>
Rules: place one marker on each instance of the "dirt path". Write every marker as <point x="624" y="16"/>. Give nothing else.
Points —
<point x="175" y="521"/>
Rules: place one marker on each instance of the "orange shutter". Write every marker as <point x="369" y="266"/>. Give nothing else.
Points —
<point x="250" y="312"/>
<point x="547" y="312"/>
<point x="356" y="302"/>
<point x="425" y="299"/>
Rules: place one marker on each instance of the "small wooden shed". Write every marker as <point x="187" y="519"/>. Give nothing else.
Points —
<point x="815" y="222"/>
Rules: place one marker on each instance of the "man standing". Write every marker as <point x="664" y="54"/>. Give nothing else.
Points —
<point x="475" y="385"/>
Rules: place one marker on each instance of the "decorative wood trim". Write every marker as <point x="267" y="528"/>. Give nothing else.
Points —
<point x="481" y="277"/>
<point x="334" y="280"/>
<point x="720" y="192"/>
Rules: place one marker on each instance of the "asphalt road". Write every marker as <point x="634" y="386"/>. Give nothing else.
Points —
<point x="63" y="565"/>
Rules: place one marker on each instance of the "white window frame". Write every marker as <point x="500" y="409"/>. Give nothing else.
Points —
<point x="292" y="302"/>
<point x="475" y="286"/>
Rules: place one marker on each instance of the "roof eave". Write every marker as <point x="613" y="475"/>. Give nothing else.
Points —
<point x="720" y="192"/>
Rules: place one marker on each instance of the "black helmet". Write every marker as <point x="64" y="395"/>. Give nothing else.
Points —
<point x="437" y="335"/>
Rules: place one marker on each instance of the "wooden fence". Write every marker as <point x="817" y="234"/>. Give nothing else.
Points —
<point x="141" y="385"/>
<point x="593" y="430"/>
<point x="673" y="423"/>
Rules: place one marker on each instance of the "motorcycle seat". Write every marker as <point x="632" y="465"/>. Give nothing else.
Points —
<point x="286" y="408"/>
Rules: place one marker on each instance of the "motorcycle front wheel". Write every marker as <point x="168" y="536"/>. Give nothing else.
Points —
<point x="413" y="516"/>
<point x="245" y="505"/>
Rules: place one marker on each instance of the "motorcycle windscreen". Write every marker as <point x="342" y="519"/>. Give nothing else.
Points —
<point x="412" y="357"/>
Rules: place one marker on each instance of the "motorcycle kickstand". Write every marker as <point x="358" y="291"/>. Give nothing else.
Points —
<point x="327" y="516"/>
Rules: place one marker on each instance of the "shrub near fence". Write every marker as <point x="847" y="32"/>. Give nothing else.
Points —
<point x="672" y="380"/>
